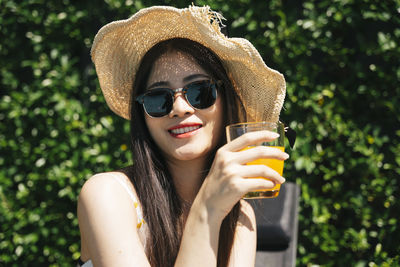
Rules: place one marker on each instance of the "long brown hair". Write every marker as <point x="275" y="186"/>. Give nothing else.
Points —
<point x="161" y="204"/>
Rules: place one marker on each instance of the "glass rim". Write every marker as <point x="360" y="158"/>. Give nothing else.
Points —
<point x="255" y="123"/>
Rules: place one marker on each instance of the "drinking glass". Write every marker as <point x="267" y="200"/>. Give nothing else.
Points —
<point x="235" y="130"/>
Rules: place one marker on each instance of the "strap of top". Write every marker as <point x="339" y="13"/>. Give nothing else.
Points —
<point x="139" y="213"/>
<point x="124" y="185"/>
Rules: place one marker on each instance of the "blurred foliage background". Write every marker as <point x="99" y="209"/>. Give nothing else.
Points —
<point x="341" y="63"/>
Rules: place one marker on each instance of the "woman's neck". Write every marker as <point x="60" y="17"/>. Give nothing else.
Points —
<point x="188" y="177"/>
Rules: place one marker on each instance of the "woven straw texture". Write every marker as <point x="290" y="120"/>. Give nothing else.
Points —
<point x="119" y="46"/>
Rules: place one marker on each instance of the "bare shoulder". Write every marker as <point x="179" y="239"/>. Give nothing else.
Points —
<point x="247" y="216"/>
<point x="244" y="247"/>
<point x="246" y="208"/>
<point x="103" y="190"/>
<point x="106" y="215"/>
<point x="105" y="183"/>
<point x="105" y="178"/>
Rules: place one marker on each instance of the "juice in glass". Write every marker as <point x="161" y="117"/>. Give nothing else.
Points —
<point x="276" y="165"/>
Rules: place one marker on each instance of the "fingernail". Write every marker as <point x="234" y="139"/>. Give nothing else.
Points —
<point x="286" y="156"/>
<point x="275" y="135"/>
<point x="284" y="180"/>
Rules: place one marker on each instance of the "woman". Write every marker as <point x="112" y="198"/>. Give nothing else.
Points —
<point x="180" y="203"/>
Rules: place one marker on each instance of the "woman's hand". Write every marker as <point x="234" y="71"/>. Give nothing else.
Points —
<point x="230" y="178"/>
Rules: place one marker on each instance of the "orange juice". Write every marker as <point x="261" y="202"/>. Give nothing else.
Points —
<point x="274" y="164"/>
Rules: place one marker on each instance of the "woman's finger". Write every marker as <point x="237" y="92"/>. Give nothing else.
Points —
<point x="260" y="152"/>
<point x="259" y="172"/>
<point x="251" y="138"/>
<point x="249" y="185"/>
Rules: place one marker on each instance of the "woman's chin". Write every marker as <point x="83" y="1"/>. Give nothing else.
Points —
<point x="189" y="154"/>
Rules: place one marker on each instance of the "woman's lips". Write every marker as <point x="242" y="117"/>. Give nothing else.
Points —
<point x="183" y="131"/>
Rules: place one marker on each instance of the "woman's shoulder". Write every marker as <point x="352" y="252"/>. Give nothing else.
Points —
<point x="109" y="194"/>
<point x="108" y="178"/>
<point x="247" y="216"/>
<point x="107" y="210"/>
<point x="108" y="184"/>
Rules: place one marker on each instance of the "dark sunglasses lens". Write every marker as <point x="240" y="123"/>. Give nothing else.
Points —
<point x="201" y="95"/>
<point x="158" y="103"/>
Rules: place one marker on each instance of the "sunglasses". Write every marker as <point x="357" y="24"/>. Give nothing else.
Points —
<point x="158" y="102"/>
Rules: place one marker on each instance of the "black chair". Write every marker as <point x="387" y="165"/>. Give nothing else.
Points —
<point x="277" y="227"/>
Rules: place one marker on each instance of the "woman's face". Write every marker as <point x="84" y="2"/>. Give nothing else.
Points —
<point x="185" y="133"/>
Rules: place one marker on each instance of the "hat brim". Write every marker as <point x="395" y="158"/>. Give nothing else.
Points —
<point x="119" y="47"/>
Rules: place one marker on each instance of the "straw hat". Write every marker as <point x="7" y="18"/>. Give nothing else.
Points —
<point x="120" y="45"/>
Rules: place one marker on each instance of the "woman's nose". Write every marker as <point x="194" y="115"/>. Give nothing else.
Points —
<point x="180" y="107"/>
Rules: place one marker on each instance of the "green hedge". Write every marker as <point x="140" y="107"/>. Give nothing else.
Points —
<point x="341" y="63"/>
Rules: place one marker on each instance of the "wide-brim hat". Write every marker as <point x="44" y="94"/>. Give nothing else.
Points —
<point x="119" y="47"/>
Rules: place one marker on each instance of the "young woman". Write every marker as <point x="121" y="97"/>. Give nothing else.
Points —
<point x="180" y="81"/>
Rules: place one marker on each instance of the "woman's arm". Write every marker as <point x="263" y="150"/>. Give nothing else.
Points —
<point x="107" y="221"/>
<point x="245" y="243"/>
<point x="244" y="247"/>
<point x="228" y="180"/>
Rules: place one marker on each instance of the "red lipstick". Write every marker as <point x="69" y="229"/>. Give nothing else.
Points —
<point x="184" y="130"/>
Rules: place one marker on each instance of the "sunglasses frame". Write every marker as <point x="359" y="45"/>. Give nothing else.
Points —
<point x="183" y="90"/>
